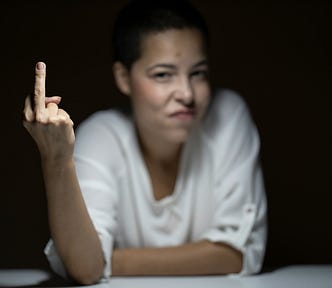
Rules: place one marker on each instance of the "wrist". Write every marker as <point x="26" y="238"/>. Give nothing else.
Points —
<point x="119" y="262"/>
<point x="57" y="165"/>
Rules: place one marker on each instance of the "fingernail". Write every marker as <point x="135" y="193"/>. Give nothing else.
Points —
<point x="40" y="66"/>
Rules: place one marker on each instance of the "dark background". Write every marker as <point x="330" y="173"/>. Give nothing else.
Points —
<point x="276" y="54"/>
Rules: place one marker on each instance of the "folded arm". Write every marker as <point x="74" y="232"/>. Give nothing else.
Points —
<point x="71" y="228"/>
<point x="200" y="258"/>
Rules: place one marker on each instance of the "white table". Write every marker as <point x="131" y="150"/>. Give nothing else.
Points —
<point x="306" y="276"/>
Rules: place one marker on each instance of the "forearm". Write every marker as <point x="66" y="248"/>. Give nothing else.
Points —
<point x="201" y="258"/>
<point x="70" y="225"/>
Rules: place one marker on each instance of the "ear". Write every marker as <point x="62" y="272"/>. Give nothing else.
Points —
<point x="121" y="75"/>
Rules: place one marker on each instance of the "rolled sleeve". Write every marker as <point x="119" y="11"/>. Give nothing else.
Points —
<point x="58" y="267"/>
<point x="102" y="212"/>
<point x="97" y="171"/>
<point x="239" y="217"/>
<point x="246" y="235"/>
<point x="54" y="259"/>
<point x="105" y="233"/>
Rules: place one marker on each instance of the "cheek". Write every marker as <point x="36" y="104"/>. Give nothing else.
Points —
<point x="203" y="93"/>
<point x="203" y="99"/>
<point x="145" y="96"/>
<point x="139" y="88"/>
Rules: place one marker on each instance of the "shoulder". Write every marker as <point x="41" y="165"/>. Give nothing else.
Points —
<point x="229" y="130"/>
<point x="227" y="108"/>
<point x="227" y="100"/>
<point x="110" y="120"/>
<point x="103" y="137"/>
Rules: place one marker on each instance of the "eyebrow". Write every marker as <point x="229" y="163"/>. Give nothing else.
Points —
<point x="172" y="66"/>
<point x="201" y="63"/>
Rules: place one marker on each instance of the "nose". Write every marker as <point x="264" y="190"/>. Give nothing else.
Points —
<point x="184" y="92"/>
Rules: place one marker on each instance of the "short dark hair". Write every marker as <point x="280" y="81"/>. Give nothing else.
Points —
<point x="141" y="17"/>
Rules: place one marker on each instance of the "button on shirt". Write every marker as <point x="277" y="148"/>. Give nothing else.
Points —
<point x="218" y="196"/>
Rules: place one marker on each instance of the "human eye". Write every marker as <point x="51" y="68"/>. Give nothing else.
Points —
<point x="199" y="74"/>
<point x="162" y="76"/>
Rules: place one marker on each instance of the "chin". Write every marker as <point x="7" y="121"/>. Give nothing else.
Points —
<point x="179" y="137"/>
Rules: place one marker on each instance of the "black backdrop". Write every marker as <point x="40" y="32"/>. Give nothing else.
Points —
<point x="277" y="54"/>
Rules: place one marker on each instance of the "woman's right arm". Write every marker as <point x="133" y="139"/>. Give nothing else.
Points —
<point x="71" y="228"/>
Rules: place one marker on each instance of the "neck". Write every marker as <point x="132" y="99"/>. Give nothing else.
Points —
<point x="159" y="151"/>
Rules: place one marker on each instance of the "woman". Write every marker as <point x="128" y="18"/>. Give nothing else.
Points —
<point x="173" y="187"/>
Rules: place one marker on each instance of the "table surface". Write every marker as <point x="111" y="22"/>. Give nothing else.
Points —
<point x="305" y="276"/>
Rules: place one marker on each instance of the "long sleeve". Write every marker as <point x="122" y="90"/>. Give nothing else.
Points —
<point x="239" y="215"/>
<point x="98" y="164"/>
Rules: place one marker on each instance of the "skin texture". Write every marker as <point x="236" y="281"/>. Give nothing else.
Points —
<point x="171" y="75"/>
<point x="200" y="258"/>
<point x="70" y="225"/>
<point x="170" y="92"/>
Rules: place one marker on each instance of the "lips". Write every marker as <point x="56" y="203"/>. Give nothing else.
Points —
<point x="184" y="114"/>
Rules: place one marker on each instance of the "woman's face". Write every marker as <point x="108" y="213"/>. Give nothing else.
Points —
<point x="168" y="84"/>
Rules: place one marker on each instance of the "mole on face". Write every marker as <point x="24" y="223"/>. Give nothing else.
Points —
<point x="178" y="54"/>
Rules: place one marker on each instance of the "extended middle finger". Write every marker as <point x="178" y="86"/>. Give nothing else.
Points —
<point x="39" y="88"/>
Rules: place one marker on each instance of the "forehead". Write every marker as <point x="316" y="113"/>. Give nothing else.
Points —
<point x="173" y="44"/>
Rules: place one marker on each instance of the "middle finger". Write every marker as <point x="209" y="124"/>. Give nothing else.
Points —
<point x="39" y="89"/>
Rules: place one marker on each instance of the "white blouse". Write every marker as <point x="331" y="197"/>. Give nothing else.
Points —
<point x="219" y="193"/>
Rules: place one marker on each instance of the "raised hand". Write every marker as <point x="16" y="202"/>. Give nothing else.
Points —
<point x="50" y="126"/>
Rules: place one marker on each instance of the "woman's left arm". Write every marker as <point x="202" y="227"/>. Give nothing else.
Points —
<point x="200" y="258"/>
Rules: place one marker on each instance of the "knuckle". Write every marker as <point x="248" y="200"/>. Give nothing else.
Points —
<point x="62" y="119"/>
<point x="56" y="120"/>
<point x="40" y="74"/>
<point x="65" y="121"/>
<point x="27" y="116"/>
<point x="38" y="91"/>
<point x="41" y="119"/>
<point x="53" y="120"/>
<point x="64" y="113"/>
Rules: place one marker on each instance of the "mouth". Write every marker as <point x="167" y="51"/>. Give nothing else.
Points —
<point x="185" y="114"/>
